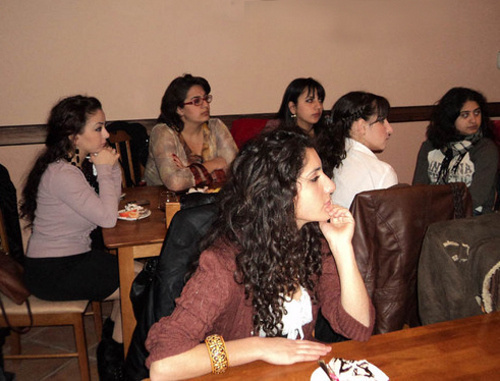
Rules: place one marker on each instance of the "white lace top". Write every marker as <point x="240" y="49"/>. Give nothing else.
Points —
<point x="299" y="313"/>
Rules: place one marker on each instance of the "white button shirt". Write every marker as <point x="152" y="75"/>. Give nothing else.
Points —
<point x="360" y="171"/>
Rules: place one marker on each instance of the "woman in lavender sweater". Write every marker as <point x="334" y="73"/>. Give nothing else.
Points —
<point x="73" y="188"/>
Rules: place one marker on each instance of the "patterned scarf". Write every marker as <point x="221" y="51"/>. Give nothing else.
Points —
<point x="458" y="150"/>
<point x="206" y="152"/>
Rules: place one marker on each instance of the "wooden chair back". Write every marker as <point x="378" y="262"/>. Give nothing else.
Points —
<point x="121" y="141"/>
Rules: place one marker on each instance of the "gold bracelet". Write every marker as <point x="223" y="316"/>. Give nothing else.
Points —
<point x="217" y="352"/>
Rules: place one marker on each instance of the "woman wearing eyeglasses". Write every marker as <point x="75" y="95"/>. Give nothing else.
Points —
<point x="188" y="148"/>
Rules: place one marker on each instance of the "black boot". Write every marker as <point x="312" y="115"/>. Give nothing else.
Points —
<point x="110" y="360"/>
<point x="107" y="328"/>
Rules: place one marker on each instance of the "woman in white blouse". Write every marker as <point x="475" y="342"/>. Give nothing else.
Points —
<point x="356" y="130"/>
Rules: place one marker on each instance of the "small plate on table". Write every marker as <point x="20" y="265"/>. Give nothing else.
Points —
<point x="319" y="375"/>
<point x="350" y="370"/>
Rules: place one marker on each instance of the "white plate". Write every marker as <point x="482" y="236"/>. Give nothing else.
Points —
<point x="144" y="214"/>
<point x="319" y="375"/>
<point x="348" y="374"/>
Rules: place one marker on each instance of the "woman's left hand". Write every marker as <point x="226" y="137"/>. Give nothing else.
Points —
<point x="340" y="228"/>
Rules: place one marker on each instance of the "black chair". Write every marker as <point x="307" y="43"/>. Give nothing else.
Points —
<point x="155" y="289"/>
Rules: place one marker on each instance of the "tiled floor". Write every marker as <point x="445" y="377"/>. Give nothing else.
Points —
<point x="46" y="340"/>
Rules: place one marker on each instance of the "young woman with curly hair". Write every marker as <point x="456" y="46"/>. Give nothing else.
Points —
<point x="459" y="147"/>
<point x="277" y="253"/>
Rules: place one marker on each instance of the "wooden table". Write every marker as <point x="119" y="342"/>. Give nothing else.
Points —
<point x="465" y="349"/>
<point x="135" y="239"/>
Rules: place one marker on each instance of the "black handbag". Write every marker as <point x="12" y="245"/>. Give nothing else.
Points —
<point x="12" y="286"/>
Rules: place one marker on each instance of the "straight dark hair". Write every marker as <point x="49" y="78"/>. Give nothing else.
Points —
<point x="292" y="93"/>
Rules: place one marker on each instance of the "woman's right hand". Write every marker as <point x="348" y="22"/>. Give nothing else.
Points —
<point x="107" y="155"/>
<point x="339" y="229"/>
<point x="274" y="350"/>
<point x="282" y="351"/>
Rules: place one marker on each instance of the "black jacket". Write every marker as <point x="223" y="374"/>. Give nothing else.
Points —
<point x="155" y="289"/>
<point x="8" y="205"/>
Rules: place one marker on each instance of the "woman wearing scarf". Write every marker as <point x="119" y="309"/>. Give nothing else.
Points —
<point x="187" y="147"/>
<point x="459" y="149"/>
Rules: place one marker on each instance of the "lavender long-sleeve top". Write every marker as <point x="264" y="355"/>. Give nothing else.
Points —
<point x="68" y="209"/>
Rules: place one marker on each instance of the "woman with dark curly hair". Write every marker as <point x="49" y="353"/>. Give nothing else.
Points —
<point x="188" y="148"/>
<point x="278" y="252"/>
<point x="356" y="129"/>
<point x="73" y="188"/>
<point x="459" y="149"/>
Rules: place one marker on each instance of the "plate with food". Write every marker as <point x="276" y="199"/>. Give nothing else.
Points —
<point x="133" y="212"/>
<point x="203" y="190"/>
<point x="344" y="370"/>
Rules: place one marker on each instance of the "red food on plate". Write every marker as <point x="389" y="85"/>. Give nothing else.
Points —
<point x="133" y="213"/>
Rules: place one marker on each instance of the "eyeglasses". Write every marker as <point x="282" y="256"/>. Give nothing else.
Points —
<point x="198" y="101"/>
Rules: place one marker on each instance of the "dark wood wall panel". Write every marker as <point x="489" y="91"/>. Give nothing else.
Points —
<point x="35" y="134"/>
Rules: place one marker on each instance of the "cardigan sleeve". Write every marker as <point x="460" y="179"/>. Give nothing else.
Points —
<point x="331" y="306"/>
<point x="204" y="299"/>
<point x="226" y="147"/>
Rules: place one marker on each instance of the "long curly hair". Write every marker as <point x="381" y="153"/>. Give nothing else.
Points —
<point x="441" y="129"/>
<point x="257" y="214"/>
<point x="67" y="119"/>
<point x="348" y="109"/>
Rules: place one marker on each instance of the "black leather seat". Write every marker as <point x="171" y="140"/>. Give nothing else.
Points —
<point x="163" y="278"/>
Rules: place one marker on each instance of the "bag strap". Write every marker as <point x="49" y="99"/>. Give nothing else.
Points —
<point x="20" y="330"/>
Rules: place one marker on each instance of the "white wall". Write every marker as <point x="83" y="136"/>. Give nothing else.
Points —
<point x="125" y="52"/>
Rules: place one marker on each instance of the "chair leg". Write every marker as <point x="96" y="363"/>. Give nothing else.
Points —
<point x="81" y="347"/>
<point x="15" y="344"/>
<point x="96" y="308"/>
